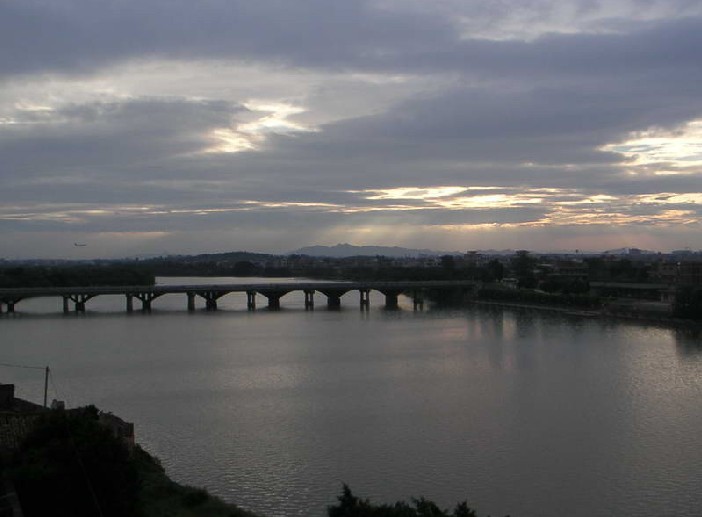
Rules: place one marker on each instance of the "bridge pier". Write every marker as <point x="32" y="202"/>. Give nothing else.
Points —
<point x="274" y="297"/>
<point x="391" y="298"/>
<point x="334" y="297"/>
<point x="364" y="299"/>
<point x="391" y="301"/>
<point x="251" y="300"/>
<point x="130" y="302"/>
<point x="146" y="298"/>
<point x="9" y="304"/>
<point x="78" y="301"/>
<point x="309" y="299"/>
<point x="210" y="301"/>
<point x="210" y="297"/>
<point x="418" y="300"/>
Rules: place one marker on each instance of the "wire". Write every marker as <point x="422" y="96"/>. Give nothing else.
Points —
<point x="55" y="388"/>
<point x="23" y="366"/>
<point x="72" y="441"/>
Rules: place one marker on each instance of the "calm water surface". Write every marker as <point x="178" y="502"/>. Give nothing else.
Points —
<point x="518" y="412"/>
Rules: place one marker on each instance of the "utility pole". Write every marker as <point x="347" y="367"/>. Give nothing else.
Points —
<point x="46" y="384"/>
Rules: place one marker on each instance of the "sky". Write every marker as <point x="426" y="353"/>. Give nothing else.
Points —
<point x="172" y="126"/>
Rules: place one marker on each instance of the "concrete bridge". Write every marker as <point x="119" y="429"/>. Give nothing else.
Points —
<point x="76" y="298"/>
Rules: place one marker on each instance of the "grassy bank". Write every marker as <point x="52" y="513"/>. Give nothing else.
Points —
<point x="160" y="496"/>
<point x="71" y="464"/>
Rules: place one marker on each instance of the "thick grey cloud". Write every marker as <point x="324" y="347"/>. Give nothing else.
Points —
<point x="201" y="117"/>
<point x="95" y="137"/>
<point x="81" y="34"/>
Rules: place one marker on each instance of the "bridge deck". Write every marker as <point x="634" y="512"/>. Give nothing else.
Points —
<point x="35" y="292"/>
<point x="211" y="292"/>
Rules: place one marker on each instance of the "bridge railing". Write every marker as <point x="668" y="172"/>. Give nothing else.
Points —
<point x="211" y="292"/>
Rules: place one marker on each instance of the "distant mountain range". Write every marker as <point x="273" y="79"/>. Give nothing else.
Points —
<point x="349" y="250"/>
<point x="343" y="251"/>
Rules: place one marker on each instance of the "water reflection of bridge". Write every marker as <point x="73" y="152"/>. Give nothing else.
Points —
<point x="77" y="297"/>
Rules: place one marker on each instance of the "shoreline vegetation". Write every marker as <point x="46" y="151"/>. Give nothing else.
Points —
<point x="608" y="287"/>
<point x="600" y="314"/>
<point x="69" y="462"/>
<point x="582" y="306"/>
<point x="78" y="462"/>
<point x="74" y="276"/>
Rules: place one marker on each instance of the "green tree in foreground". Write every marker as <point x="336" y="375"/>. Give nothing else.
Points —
<point x="351" y="506"/>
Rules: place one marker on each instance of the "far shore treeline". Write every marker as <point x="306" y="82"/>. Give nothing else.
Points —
<point x="523" y="278"/>
<point x="522" y="266"/>
<point x="70" y="275"/>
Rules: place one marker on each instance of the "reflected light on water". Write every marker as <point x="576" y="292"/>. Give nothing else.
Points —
<point x="521" y="412"/>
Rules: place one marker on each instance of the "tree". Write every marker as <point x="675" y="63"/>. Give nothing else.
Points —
<point x="448" y="263"/>
<point x="523" y="268"/>
<point x="244" y="268"/>
<point x="495" y="270"/>
<point x="688" y="303"/>
<point x="70" y="465"/>
<point x="351" y="506"/>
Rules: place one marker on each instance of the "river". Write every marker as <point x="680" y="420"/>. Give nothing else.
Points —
<point x="518" y="411"/>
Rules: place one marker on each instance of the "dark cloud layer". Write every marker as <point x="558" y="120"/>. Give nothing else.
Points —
<point x="110" y="138"/>
<point x="93" y="138"/>
<point x="78" y="35"/>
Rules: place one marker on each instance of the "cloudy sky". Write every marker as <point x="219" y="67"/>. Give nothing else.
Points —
<point x="173" y="126"/>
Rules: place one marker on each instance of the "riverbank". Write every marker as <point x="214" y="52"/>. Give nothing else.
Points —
<point x="631" y="316"/>
<point x="117" y="478"/>
<point x="160" y="496"/>
<point x="84" y="462"/>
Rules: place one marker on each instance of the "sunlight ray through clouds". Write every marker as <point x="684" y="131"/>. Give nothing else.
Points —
<point x="412" y="192"/>
<point x="679" y="150"/>
<point x="561" y="206"/>
<point x="269" y="118"/>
